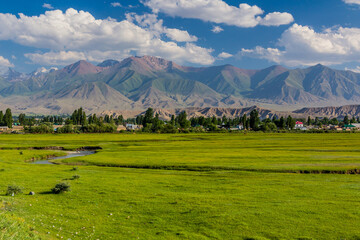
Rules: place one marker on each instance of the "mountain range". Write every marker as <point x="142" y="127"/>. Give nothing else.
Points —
<point x="304" y="113"/>
<point x="137" y="83"/>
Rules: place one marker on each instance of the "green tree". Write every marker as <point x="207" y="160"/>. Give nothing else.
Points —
<point x="346" y="120"/>
<point x="317" y="122"/>
<point x="1" y="118"/>
<point x="172" y="121"/>
<point x="268" y="126"/>
<point x="254" y="120"/>
<point x="83" y="120"/>
<point x="148" y="118"/>
<point x="309" y="121"/>
<point x="334" y="121"/>
<point x="214" y="120"/>
<point x="353" y="120"/>
<point x="290" y="122"/>
<point x="282" y="123"/>
<point x="243" y="121"/>
<point x="8" y="120"/>
<point x="326" y="121"/>
<point x="22" y="119"/>
<point x="182" y="120"/>
<point x="156" y="124"/>
<point x="120" y="120"/>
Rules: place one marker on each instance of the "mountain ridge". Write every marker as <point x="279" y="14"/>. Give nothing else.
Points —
<point x="165" y="114"/>
<point x="142" y="82"/>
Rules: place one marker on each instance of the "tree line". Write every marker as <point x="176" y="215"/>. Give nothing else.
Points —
<point x="80" y="122"/>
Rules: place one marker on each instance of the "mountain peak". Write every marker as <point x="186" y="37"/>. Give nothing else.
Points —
<point x="320" y="66"/>
<point x="154" y="63"/>
<point x="43" y="70"/>
<point x="14" y="76"/>
<point x="81" y="67"/>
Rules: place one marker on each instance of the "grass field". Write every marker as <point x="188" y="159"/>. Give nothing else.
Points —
<point x="206" y="186"/>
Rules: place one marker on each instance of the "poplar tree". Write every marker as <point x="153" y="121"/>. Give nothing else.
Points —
<point x="8" y="118"/>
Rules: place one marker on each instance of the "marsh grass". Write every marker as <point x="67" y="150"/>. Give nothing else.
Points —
<point x="215" y="200"/>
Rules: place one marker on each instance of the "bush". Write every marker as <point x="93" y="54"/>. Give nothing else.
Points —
<point x="75" y="177"/>
<point x="13" y="190"/>
<point x="168" y="128"/>
<point x="66" y="129"/>
<point x="60" y="188"/>
<point x="42" y="128"/>
<point x="99" y="128"/>
<point x="268" y="127"/>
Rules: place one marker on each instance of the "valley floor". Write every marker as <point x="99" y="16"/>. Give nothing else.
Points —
<point x="183" y="186"/>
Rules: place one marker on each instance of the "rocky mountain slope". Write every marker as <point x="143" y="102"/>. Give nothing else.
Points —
<point x="137" y="83"/>
<point x="165" y="114"/>
<point x="331" y="112"/>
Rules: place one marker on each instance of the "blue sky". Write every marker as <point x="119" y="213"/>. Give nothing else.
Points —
<point x="247" y="34"/>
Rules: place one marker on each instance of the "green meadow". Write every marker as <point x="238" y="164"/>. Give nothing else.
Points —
<point x="183" y="186"/>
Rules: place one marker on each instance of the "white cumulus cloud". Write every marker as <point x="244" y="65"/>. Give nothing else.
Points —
<point x="217" y="29"/>
<point x="4" y="64"/>
<point x="56" y="58"/>
<point x="116" y="4"/>
<point x="356" y="70"/>
<point x="179" y="35"/>
<point x="218" y="11"/>
<point x="48" y="6"/>
<point x="224" y="55"/>
<point x="78" y="35"/>
<point x="302" y="45"/>
<point x="152" y="23"/>
<point x="352" y="1"/>
<point x="276" y="19"/>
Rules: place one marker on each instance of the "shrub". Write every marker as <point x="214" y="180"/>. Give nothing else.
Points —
<point x="66" y="129"/>
<point x="168" y="128"/>
<point x="42" y="128"/>
<point x="75" y="177"/>
<point x="60" y="188"/>
<point x="74" y="169"/>
<point x="13" y="190"/>
<point x="197" y="130"/>
<point x="99" y="128"/>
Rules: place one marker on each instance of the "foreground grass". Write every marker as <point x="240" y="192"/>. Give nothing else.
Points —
<point x="14" y="228"/>
<point x="129" y="203"/>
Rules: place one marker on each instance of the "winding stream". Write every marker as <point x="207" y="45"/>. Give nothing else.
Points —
<point x="70" y="155"/>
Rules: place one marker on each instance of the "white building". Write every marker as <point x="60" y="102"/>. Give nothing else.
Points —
<point x="130" y="126"/>
<point x="299" y="125"/>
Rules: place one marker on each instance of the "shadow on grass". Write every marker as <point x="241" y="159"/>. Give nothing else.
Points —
<point x="46" y="193"/>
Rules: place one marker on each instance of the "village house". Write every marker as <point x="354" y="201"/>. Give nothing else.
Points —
<point x="334" y="127"/>
<point x="237" y="128"/>
<point x="131" y="127"/>
<point x="3" y="129"/>
<point x="121" y="128"/>
<point x="357" y="125"/>
<point x="240" y="127"/>
<point x="349" y="127"/>
<point x="18" y="128"/>
<point x="299" y="125"/>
